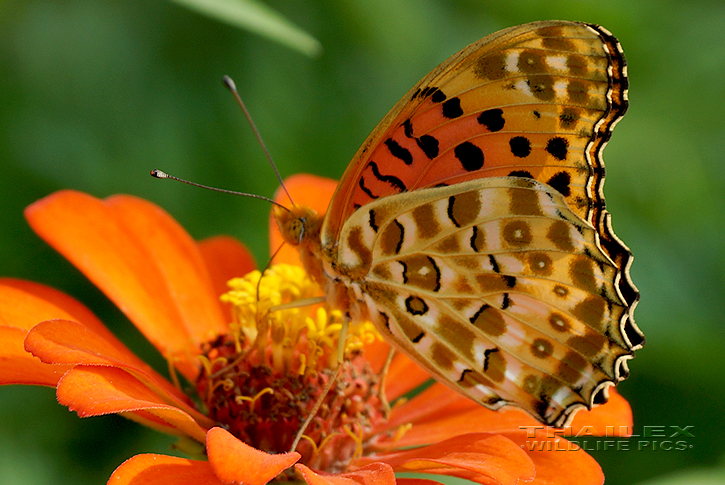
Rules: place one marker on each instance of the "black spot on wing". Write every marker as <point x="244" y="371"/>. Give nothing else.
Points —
<point x="438" y="273"/>
<point x="429" y="145"/>
<point x="369" y="193"/>
<point x="492" y="119"/>
<point x="463" y="374"/>
<point x="408" y="128"/>
<point x="558" y="147"/>
<point x="437" y="95"/>
<point x="485" y="357"/>
<point x="405" y="272"/>
<point x="521" y="173"/>
<point x="520" y="146"/>
<point x="477" y="239"/>
<point x="386" y="320"/>
<point x="452" y="108"/>
<point x="373" y="224"/>
<point x="494" y="264"/>
<point x="398" y="151"/>
<point x="560" y="182"/>
<point x="426" y="91"/>
<point x="416" y="306"/>
<point x="394" y="181"/>
<point x="470" y="156"/>
<point x="401" y="233"/>
<point x="483" y="308"/>
<point x="451" y="205"/>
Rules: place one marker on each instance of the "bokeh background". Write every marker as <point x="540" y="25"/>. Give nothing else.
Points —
<point x="95" y="93"/>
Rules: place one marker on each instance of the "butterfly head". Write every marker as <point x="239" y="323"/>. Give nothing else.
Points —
<point x="299" y="225"/>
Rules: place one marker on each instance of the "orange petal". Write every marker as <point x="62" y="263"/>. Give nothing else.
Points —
<point x="438" y="413"/>
<point x="404" y="375"/>
<point x="65" y="342"/>
<point x="24" y="304"/>
<point x="143" y="261"/>
<point x="17" y="366"/>
<point x="417" y="481"/>
<point x="95" y="391"/>
<point x="152" y="469"/>
<point x="558" y="461"/>
<point x="307" y="190"/>
<point x="183" y="269"/>
<point x="476" y="420"/>
<point x="430" y="405"/>
<point x="480" y="457"/>
<point x="226" y="258"/>
<point x="375" y="353"/>
<point x="236" y="462"/>
<point x="372" y="474"/>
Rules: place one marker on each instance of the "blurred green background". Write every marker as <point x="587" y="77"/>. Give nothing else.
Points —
<point x="94" y="94"/>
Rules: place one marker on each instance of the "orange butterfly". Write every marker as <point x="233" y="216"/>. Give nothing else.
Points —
<point x="471" y="228"/>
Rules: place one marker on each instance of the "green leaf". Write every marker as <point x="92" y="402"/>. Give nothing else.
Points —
<point x="258" y="18"/>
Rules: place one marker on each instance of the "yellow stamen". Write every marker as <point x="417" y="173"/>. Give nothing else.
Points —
<point x="205" y="364"/>
<point x="315" y="449"/>
<point x="357" y="438"/>
<point x="172" y="373"/>
<point x="214" y="387"/>
<point x="253" y="400"/>
<point x="402" y="429"/>
<point x="277" y="335"/>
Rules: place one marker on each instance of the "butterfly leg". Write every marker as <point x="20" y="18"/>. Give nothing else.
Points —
<point x="328" y="386"/>
<point x="381" y="383"/>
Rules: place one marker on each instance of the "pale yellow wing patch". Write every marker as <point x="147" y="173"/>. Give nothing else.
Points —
<point x="496" y="287"/>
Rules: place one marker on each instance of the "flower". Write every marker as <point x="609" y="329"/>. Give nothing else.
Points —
<point x="257" y="374"/>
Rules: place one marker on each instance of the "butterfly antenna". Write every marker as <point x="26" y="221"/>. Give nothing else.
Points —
<point x="264" y="270"/>
<point x="229" y="83"/>
<point x="163" y="175"/>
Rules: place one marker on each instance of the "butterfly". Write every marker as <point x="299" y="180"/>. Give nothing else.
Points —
<point x="470" y="228"/>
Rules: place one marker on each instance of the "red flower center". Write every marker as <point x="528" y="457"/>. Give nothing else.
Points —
<point x="263" y="390"/>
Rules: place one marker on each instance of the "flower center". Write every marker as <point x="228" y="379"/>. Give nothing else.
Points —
<point x="263" y="379"/>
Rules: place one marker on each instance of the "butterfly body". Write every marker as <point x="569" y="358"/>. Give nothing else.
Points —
<point x="470" y="227"/>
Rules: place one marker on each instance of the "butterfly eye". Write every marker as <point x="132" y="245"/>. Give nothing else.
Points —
<point x="295" y="230"/>
<point x="301" y="228"/>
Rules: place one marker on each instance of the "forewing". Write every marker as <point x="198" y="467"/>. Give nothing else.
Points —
<point x="538" y="100"/>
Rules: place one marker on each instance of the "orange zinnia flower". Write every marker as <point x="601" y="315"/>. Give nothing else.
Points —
<point x="257" y="374"/>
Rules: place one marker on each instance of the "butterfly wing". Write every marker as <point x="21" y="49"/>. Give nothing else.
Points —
<point x="539" y="100"/>
<point x="536" y="102"/>
<point x="497" y="288"/>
